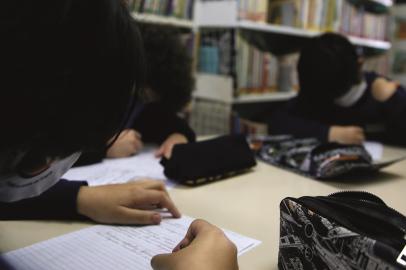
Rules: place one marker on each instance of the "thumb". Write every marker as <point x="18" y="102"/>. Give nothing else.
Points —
<point x="161" y="261"/>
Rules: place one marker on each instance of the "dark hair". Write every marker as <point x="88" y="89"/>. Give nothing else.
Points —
<point x="328" y="67"/>
<point x="69" y="70"/>
<point x="169" y="66"/>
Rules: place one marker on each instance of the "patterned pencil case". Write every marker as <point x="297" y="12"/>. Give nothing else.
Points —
<point x="318" y="160"/>
<point x="345" y="230"/>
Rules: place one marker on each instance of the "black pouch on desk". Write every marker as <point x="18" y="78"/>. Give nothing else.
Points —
<point x="201" y="162"/>
<point x="346" y="230"/>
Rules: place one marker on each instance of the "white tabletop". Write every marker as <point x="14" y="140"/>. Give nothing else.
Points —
<point x="247" y="204"/>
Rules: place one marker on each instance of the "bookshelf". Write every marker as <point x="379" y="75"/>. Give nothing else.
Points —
<point x="163" y="20"/>
<point x="268" y="97"/>
<point x="224" y="14"/>
<point x="297" y="32"/>
<point x="222" y="89"/>
<point x="398" y="52"/>
<point x="279" y="39"/>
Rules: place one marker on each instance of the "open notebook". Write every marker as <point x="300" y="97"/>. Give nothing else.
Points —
<point x="110" y="247"/>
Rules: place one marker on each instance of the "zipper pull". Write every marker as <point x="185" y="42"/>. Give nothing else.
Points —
<point x="402" y="257"/>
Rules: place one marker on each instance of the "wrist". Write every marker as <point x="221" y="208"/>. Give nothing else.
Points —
<point x="333" y="133"/>
<point x="81" y="201"/>
<point x="179" y="137"/>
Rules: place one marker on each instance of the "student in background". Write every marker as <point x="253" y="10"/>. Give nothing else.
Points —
<point x="338" y="102"/>
<point x="168" y="89"/>
<point x="69" y="76"/>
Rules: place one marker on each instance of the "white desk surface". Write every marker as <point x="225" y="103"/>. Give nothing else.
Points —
<point x="247" y="204"/>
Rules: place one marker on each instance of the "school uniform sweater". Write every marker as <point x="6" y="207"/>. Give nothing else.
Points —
<point x="153" y="121"/>
<point x="384" y="121"/>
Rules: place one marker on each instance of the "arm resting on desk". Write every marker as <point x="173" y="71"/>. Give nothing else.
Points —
<point x="59" y="202"/>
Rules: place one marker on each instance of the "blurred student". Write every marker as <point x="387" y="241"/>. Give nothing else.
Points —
<point x="167" y="92"/>
<point x="338" y="102"/>
<point x="70" y="72"/>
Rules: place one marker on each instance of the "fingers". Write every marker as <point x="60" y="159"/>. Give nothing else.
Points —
<point x="197" y="227"/>
<point x="161" y="262"/>
<point x="134" y="138"/>
<point x="160" y="152"/>
<point x="137" y="134"/>
<point x="152" y="184"/>
<point x="155" y="197"/>
<point x="358" y="135"/>
<point x="168" y="151"/>
<point x="127" y="215"/>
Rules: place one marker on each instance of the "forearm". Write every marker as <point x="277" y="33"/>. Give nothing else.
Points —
<point x="57" y="203"/>
<point x="395" y="109"/>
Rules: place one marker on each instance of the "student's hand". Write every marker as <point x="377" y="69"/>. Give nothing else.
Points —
<point x="382" y="89"/>
<point x="204" y="247"/>
<point x="166" y="147"/>
<point x="132" y="203"/>
<point x="346" y="134"/>
<point x="127" y="144"/>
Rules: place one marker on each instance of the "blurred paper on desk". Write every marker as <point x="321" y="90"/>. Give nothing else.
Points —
<point x="121" y="170"/>
<point x="375" y="149"/>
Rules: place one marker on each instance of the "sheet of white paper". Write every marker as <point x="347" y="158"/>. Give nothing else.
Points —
<point x="113" y="171"/>
<point x="375" y="149"/>
<point x="110" y="247"/>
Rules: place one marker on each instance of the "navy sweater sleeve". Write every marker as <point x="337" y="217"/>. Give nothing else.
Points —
<point x="57" y="203"/>
<point x="88" y="158"/>
<point x="285" y="121"/>
<point x="395" y="108"/>
<point x="156" y="123"/>
<point x="394" y="111"/>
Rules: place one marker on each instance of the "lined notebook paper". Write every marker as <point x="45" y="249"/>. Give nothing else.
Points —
<point x="110" y="247"/>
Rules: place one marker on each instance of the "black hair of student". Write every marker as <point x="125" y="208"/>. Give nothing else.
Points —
<point x="169" y="66"/>
<point x="70" y="70"/>
<point x="328" y="67"/>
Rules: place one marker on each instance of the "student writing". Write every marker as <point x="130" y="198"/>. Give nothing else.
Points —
<point x="70" y="72"/>
<point x="167" y="92"/>
<point x="337" y="102"/>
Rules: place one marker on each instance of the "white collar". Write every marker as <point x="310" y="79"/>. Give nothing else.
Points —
<point x="352" y="96"/>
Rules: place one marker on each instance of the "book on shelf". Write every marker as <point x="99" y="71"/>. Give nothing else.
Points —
<point x="327" y="15"/>
<point x="253" y="10"/>
<point x="216" y="52"/>
<point x="399" y="44"/>
<point x="260" y="72"/>
<point x="182" y="9"/>
<point x="378" y="64"/>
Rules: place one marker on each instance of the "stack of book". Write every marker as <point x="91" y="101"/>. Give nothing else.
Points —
<point x="182" y="9"/>
<point x="260" y="72"/>
<point x="357" y="22"/>
<point x="257" y="71"/>
<point x="327" y="15"/>
<point x="216" y="52"/>
<point x="253" y="10"/>
<point x="379" y="64"/>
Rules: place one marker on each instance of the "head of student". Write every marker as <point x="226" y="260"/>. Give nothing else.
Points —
<point x="328" y="67"/>
<point x="169" y="77"/>
<point x="69" y="73"/>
